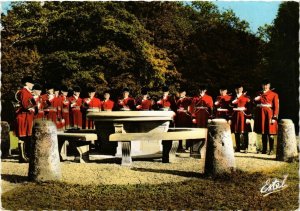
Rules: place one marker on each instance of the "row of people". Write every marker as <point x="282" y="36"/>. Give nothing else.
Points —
<point x="70" y="111"/>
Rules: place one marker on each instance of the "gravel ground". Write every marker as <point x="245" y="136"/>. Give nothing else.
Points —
<point x="108" y="171"/>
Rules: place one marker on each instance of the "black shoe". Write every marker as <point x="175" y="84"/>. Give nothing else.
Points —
<point x="264" y="152"/>
<point x="181" y="151"/>
<point x="270" y="152"/>
<point x="23" y="160"/>
<point x="237" y="150"/>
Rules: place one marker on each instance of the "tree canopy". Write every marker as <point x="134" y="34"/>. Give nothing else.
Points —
<point x="136" y="44"/>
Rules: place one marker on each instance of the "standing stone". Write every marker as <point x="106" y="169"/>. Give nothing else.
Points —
<point x="286" y="141"/>
<point x="5" y="139"/>
<point x="219" y="152"/>
<point x="44" y="164"/>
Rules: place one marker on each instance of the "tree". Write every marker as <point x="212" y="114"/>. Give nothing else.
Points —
<point x="283" y="56"/>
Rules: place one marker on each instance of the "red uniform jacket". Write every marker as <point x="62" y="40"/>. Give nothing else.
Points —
<point x="222" y="107"/>
<point x="93" y="105"/>
<point x="144" y="104"/>
<point x="183" y="116"/>
<point x="53" y="110"/>
<point x="40" y="106"/>
<point x="241" y="111"/>
<point x="267" y="106"/>
<point x="75" y="112"/>
<point x="201" y="110"/>
<point x="126" y="104"/>
<point x="107" y="105"/>
<point x="24" y="115"/>
<point x="166" y="103"/>
<point x="65" y="111"/>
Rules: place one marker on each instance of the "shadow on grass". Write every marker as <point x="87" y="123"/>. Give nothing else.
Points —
<point x="13" y="178"/>
<point x="117" y="160"/>
<point x="255" y="157"/>
<point x="173" y="172"/>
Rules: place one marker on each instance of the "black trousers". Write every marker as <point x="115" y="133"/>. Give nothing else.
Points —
<point x="241" y="140"/>
<point x="265" y="138"/>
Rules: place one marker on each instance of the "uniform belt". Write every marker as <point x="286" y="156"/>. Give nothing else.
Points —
<point x="165" y="109"/>
<point x="76" y="108"/>
<point x="65" y="110"/>
<point x="50" y="109"/>
<point x="93" y="109"/>
<point x="264" y="105"/>
<point x="125" y="109"/>
<point x="222" y="109"/>
<point x="181" y="110"/>
<point x="201" y="107"/>
<point x="239" y="109"/>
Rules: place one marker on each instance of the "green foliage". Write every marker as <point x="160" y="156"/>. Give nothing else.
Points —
<point x="135" y="44"/>
<point x="282" y="55"/>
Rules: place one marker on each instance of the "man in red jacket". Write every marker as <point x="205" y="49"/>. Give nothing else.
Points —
<point x="36" y="92"/>
<point x="201" y="108"/>
<point x="126" y="103"/>
<point x="75" y="111"/>
<point x="166" y="102"/>
<point x="222" y="108"/>
<point x="53" y="105"/>
<point x="240" y="124"/>
<point x="107" y="103"/>
<point x="183" y="116"/>
<point x="24" y="118"/>
<point x="65" y="110"/>
<point x="144" y="103"/>
<point x="90" y="104"/>
<point x="266" y="115"/>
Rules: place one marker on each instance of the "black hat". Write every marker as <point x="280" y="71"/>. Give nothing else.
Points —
<point x="106" y="91"/>
<point x="222" y="87"/>
<point x="56" y="88"/>
<point x="37" y="87"/>
<point x="236" y="86"/>
<point x="202" y="87"/>
<point x="144" y="91"/>
<point x="165" y="89"/>
<point x="125" y="89"/>
<point x="91" y="89"/>
<point x="64" y="88"/>
<point x="76" y="89"/>
<point x="182" y="89"/>
<point x="49" y="86"/>
<point x="265" y="81"/>
<point x="27" y="79"/>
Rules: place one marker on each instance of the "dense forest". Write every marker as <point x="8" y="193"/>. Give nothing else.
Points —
<point x="111" y="45"/>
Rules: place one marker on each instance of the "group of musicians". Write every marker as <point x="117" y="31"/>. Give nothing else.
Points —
<point x="70" y="111"/>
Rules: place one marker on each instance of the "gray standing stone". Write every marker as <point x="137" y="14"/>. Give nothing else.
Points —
<point x="219" y="152"/>
<point x="286" y="141"/>
<point x="5" y="139"/>
<point x="44" y="164"/>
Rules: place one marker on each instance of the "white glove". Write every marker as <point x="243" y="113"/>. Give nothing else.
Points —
<point x="248" y="121"/>
<point x="257" y="98"/>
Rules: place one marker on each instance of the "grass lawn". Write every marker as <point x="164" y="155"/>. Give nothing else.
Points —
<point x="240" y="190"/>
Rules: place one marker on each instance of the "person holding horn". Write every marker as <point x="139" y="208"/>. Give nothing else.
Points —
<point x="266" y="115"/>
<point x="24" y="118"/>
